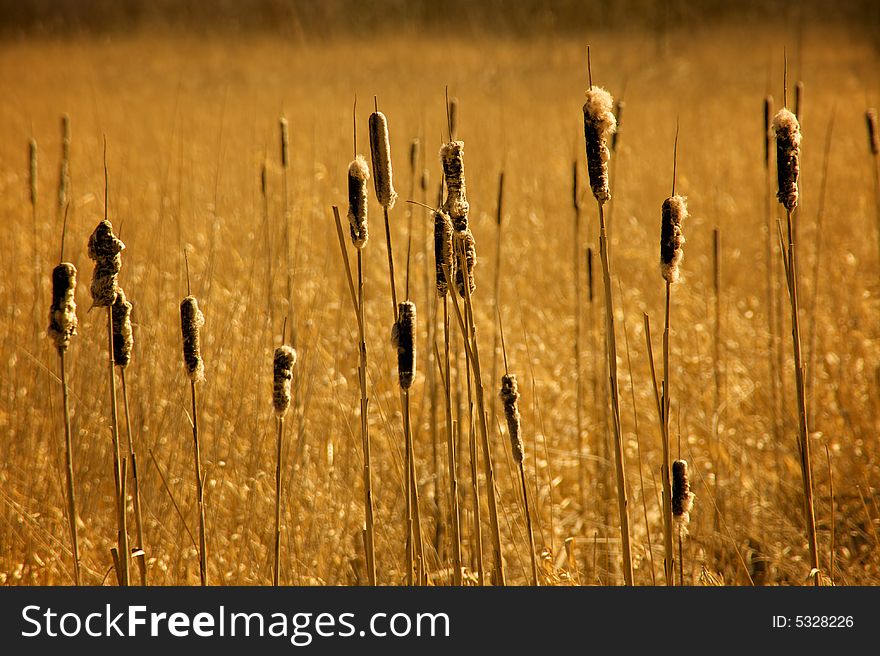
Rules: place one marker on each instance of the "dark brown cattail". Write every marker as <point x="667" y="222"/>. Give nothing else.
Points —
<point x="403" y="337"/>
<point x="381" y="152"/>
<point x="599" y="124"/>
<point x="466" y="237"/>
<point x="358" y="174"/>
<point x="788" y="143"/>
<point x="768" y="118"/>
<point x="510" y="400"/>
<point x="122" y="335"/>
<point x="674" y="213"/>
<point x="32" y="170"/>
<point x="619" y="106"/>
<point x="873" y="135"/>
<point x="191" y="322"/>
<point x="105" y="249"/>
<point x="682" y="497"/>
<point x="456" y="204"/>
<point x="285" y="358"/>
<point x="62" y="314"/>
<point x="443" y="250"/>
<point x="285" y="142"/>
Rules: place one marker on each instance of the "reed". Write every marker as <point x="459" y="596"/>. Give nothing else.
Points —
<point x="282" y="370"/>
<point x="682" y="503"/>
<point x="380" y="150"/>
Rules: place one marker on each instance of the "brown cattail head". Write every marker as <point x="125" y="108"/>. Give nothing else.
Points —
<point x="456" y="204"/>
<point x="105" y="249"/>
<point x="465" y="239"/>
<point x="64" y="166"/>
<point x="62" y="314"/>
<point x="682" y="497"/>
<point x="788" y="147"/>
<point x="403" y="337"/>
<point x="381" y="152"/>
<point x="619" y="106"/>
<point x="674" y="213"/>
<point x="285" y="358"/>
<point x="599" y="124"/>
<point x="285" y="142"/>
<point x="32" y="170"/>
<point x="443" y="258"/>
<point x="122" y="335"/>
<point x="191" y="322"/>
<point x="873" y="134"/>
<point x="510" y="400"/>
<point x="358" y="174"/>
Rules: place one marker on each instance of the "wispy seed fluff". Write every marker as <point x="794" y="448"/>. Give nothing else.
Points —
<point x="443" y="250"/>
<point x="510" y="400"/>
<point x="191" y="322"/>
<point x="403" y="337"/>
<point x="682" y="497"/>
<point x="456" y="204"/>
<point x="788" y="146"/>
<point x="381" y="152"/>
<point x="285" y="358"/>
<point x="122" y="335"/>
<point x="105" y="249"/>
<point x="466" y="237"/>
<point x="671" y="238"/>
<point x="599" y="125"/>
<point x="358" y="174"/>
<point x="873" y="135"/>
<point x="62" y="313"/>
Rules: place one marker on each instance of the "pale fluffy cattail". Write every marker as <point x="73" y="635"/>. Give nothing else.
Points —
<point x="599" y="124"/>
<point x="403" y="337"/>
<point x="285" y="358"/>
<point x="510" y="400"/>
<point x="443" y="256"/>
<point x="873" y="135"/>
<point x="191" y="322"/>
<point x="674" y="213"/>
<point x="467" y="238"/>
<point x="381" y="152"/>
<point x="62" y="314"/>
<point x="682" y="497"/>
<point x="358" y="174"/>
<point x="788" y="144"/>
<point x="768" y="121"/>
<point x="105" y="249"/>
<point x="122" y="335"/>
<point x="456" y="204"/>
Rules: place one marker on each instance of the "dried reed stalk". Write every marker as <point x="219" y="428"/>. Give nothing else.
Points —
<point x="282" y="370"/>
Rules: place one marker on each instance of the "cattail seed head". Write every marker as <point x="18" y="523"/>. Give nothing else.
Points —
<point x="873" y="135"/>
<point x="443" y="251"/>
<point x="285" y="358"/>
<point x="64" y="166"/>
<point x="122" y="335"/>
<point x="510" y="400"/>
<point x="381" y="152"/>
<point x="456" y="204"/>
<point x="674" y="213"/>
<point x="403" y="337"/>
<point x="62" y="313"/>
<point x="32" y="170"/>
<point x="682" y="497"/>
<point x="465" y="239"/>
<point x="358" y="174"/>
<point x="768" y="121"/>
<point x="599" y="124"/>
<point x="191" y="322"/>
<point x="788" y="146"/>
<point x="105" y="249"/>
<point x="285" y="142"/>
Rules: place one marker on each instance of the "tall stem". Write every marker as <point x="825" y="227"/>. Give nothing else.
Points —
<point x="200" y="498"/>
<point x="71" y="489"/>
<point x="450" y="448"/>
<point x="390" y="262"/>
<point x="667" y="469"/>
<point x="138" y="517"/>
<point x="122" y="529"/>
<point x="369" y="546"/>
<point x="416" y="519"/>
<point x="525" y="492"/>
<point x="278" y="467"/>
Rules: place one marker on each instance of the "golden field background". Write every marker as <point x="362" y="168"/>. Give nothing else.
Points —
<point x="189" y="121"/>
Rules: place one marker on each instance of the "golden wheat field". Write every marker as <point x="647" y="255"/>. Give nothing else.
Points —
<point x="194" y="166"/>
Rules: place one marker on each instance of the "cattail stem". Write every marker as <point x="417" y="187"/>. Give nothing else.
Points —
<point x="414" y="515"/>
<point x="71" y="488"/>
<point x="578" y="314"/>
<point x="122" y="537"/>
<point x="200" y="498"/>
<point x="670" y="554"/>
<point x="525" y="493"/>
<point x="278" y="467"/>
<point x="451" y="454"/>
<point x="390" y="262"/>
<point x="138" y="517"/>
<point x="680" y="563"/>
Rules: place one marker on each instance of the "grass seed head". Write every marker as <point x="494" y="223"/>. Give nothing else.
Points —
<point x="191" y="322"/>
<point x="443" y="251"/>
<point x="381" y="152"/>
<point x="456" y="204"/>
<point x="873" y="135"/>
<point x="788" y="148"/>
<point x="62" y="314"/>
<point x="403" y="337"/>
<point x="285" y="358"/>
<point x="682" y="497"/>
<point x="358" y="174"/>
<point x="674" y="213"/>
<point x="510" y="400"/>
<point x="122" y="335"/>
<point x="599" y="125"/>
<point x="105" y="249"/>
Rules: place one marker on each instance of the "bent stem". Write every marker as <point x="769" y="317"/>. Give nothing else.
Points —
<point x="71" y="490"/>
<point x="200" y="496"/>
<point x="123" y="552"/>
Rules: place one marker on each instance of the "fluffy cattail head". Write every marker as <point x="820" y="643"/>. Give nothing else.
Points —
<point x="358" y="174"/>
<point x="674" y="213"/>
<point x="381" y="152"/>
<point x="285" y="358"/>
<point x="191" y="322"/>
<point x="682" y="497"/>
<point x="62" y="314"/>
<point x="443" y="250"/>
<point x="403" y="337"/>
<point x="122" y="335"/>
<point x="510" y="400"/>
<point x="788" y="148"/>
<point x="105" y="249"/>
<point x="32" y="170"/>
<point x="285" y="142"/>
<point x="465" y="239"/>
<point x="456" y="204"/>
<point x="599" y="124"/>
<point x="873" y="135"/>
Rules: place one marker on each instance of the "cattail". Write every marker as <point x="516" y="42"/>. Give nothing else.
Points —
<point x="768" y="120"/>
<point x="64" y="167"/>
<point x="671" y="238"/>
<point x="599" y="124"/>
<point x="122" y="336"/>
<point x="62" y="314"/>
<point x="381" y="152"/>
<point x="619" y="106"/>
<point x="682" y="497"/>
<point x="285" y="142"/>
<point x="456" y="205"/>
<point x="358" y="174"/>
<point x="285" y="358"/>
<point x="403" y="337"/>
<point x="873" y="135"/>
<point x="470" y="251"/>
<point x="443" y="250"/>
<point x="788" y="142"/>
<point x="510" y="400"/>
<point x="105" y="249"/>
<point x="32" y="175"/>
<point x="191" y="322"/>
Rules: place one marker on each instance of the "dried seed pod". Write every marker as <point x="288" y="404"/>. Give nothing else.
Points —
<point x="122" y="335"/>
<point x="599" y="124"/>
<point x="470" y="250"/>
<point x="443" y="251"/>
<point x="62" y="314"/>
<point x="873" y="135"/>
<point x="456" y="204"/>
<point x="768" y="121"/>
<point x="510" y="400"/>
<point x="788" y="146"/>
<point x="285" y="358"/>
<point x="191" y="322"/>
<point x="358" y="174"/>
<point x="682" y="497"/>
<point x="381" y="152"/>
<point x="674" y="213"/>
<point x="105" y="249"/>
<point x="403" y="337"/>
